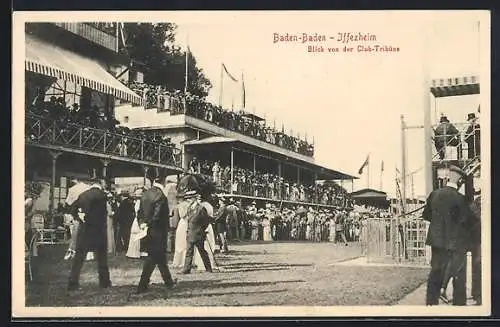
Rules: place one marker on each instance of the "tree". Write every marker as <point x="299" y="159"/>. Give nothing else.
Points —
<point x="153" y="45"/>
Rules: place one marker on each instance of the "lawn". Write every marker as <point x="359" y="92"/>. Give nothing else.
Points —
<point x="254" y="274"/>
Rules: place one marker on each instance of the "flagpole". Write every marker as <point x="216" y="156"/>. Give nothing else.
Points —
<point x="221" y="85"/>
<point x="368" y="173"/>
<point x="243" y="95"/>
<point x="381" y="173"/>
<point x="186" y="72"/>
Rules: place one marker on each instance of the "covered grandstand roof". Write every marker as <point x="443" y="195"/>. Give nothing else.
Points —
<point x="324" y="173"/>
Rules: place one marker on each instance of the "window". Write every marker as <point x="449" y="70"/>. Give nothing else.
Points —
<point x="60" y="191"/>
<point x="70" y="92"/>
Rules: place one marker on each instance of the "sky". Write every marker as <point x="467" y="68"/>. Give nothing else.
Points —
<point x="350" y="102"/>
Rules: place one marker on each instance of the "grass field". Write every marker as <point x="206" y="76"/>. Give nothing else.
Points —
<point x="253" y="274"/>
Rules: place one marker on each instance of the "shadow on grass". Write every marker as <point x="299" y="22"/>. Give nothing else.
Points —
<point x="264" y="264"/>
<point x="211" y="294"/>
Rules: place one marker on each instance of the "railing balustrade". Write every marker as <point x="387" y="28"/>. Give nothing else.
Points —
<point x="46" y="131"/>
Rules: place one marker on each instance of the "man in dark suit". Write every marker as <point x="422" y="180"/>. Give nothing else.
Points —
<point x="124" y="217"/>
<point x="154" y="215"/>
<point x="90" y="209"/>
<point x="475" y="248"/>
<point x="198" y="220"/>
<point x="473" y="136"/>
<point x="449" y="216"/>
<point x="221" y="219"/>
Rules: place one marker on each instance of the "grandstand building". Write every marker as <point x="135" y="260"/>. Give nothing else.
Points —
<point x="247" y="159"/>
<point x="75" y="79"/>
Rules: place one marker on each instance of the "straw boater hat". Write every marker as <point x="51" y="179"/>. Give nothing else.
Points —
<point x="455" y="174"/>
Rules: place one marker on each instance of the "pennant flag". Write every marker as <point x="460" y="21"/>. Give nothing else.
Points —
<point x="228" y="74"/>
<point x="367" y="160"/>
<point x="382" y="166"/>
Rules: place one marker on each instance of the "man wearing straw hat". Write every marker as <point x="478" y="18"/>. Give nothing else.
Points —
<point x="449" y="216"/>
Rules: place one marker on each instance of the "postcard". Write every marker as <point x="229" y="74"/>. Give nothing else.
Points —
<point x="316" y="163"/>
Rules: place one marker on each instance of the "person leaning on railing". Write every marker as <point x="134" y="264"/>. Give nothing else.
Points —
<point x="445" y="134"/>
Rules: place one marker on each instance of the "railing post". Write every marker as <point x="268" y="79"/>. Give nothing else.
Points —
<point x="104" y="147"/>
<point x="54" y="155"/>
<point x="159" y="153"/>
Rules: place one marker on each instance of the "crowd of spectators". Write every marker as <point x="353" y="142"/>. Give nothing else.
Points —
<point x="176" y="102"/>
<point x="300" y="223"/>
<point x="124" y="141"/>
<point x="268" y="185"/>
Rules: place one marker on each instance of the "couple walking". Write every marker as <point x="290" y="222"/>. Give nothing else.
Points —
<point x="194" y="237"/>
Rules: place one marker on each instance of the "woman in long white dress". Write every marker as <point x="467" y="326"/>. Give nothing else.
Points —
<point x="180" y="235"/>
<point x="267" y="229"/>
<point x="110" y="231"/>
<point x="134" y="245"/>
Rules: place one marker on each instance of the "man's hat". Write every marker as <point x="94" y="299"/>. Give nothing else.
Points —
<point x="471" y="116"/>
<point x="444" y="119"/>
<point x="457" y="170"/>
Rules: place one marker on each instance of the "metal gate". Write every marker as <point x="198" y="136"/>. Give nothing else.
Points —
<point x="393" y="241"/>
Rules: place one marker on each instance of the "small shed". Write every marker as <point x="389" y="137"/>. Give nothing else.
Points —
<point x="370" y="197"/>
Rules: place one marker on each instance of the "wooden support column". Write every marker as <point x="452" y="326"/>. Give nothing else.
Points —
<point x="54" y="155"/>
<point x="315" y="188"/>
<point x="280" y="195"/>
<point x="105" y="164"/>
<point x="298" y="175"/>
<point x="145" y="170"/>
<point x="232" y="170"/>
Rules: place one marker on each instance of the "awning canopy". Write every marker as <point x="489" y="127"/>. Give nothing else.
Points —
<point x="215" y="142"/>
<point x="455" y="86"/>
<point x="211" y="140"/>
<point x="50" y="60"/>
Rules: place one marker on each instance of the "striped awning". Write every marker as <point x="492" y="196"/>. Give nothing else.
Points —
<point x="50" y="60"/>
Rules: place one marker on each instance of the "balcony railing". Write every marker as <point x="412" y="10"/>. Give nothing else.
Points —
<point x="41" y="130"/>
<point x="463" y="146"/>
<point x="99" y="33"/>
<point x="177" y="104"/>
<point x="279" y="192"/>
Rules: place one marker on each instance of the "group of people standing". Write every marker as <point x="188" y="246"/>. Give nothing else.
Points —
<point x="446" y="134"/>
<point x="90" y="207"/>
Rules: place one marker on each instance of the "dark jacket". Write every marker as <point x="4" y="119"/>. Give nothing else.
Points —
<point x="93" y="233"/>
<point x="450" y="217"/>
<point x="126" y="213"/>
<point x="473" y="137"/>
<point x="475" y="228"/>
<point x="446" y="134"/>
<point x="198" y="221"/>
<point x="221" y="220"/>
<point x="154" y="212"/>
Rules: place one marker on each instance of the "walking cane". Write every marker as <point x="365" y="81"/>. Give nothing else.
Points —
<point x="213" y="255"/>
